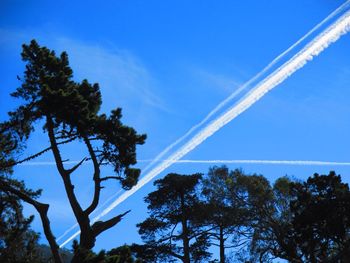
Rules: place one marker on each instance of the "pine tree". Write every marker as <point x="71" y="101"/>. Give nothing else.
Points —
<point x="70" y="112"/>
<point x="172" y="229"/>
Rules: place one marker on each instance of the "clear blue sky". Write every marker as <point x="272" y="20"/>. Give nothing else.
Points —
<point x="167" y="64"/>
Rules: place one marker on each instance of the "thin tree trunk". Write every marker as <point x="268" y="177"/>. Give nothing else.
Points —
<point x="48" y="234"/>
<point x="222" y="245"/>
<point x="185" y="239"/>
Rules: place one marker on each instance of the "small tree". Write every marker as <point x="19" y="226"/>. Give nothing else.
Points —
<point x="171" y="229"/>
<point x="69" y="112"/>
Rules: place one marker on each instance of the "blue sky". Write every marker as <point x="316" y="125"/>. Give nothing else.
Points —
<point x="167" y="64"/>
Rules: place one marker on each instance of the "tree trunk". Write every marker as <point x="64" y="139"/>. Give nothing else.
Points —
<point x="222" y="245"/>
<point x="185" y="239"/>
<point x="48" y="234"/>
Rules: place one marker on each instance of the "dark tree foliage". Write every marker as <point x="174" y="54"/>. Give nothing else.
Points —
<point x="18" y="243"/>
<point x="321" y="218"/>
<point x="270" y="220"/>
<point x="83" y="255"/>
<point x="133" y="253"/>
<point x="69" y="111"/>
<point x="121" y="254"/>
<point x="226" y="213"/>
<point x="301" y="221"/>
<point x="171" y="230"/>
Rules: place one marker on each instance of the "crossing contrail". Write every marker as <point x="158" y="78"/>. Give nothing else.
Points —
<point x="277" y="162"/>
<point x="246" y="85"/>
<point x="318" y="44"/>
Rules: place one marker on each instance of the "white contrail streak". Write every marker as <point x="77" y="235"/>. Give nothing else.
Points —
<point x="246" y="85"/>
<point x="277" y="162"/>
<point x="287" y="162"/>
<point x="46" y="163"/>
<point x="331" y="34"/>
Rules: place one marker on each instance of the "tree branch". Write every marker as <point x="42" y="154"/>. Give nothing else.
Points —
<point x="69" y="187"/>
<point x="71" y="170"/>
<point x="97" y="180"/>
<point x="110" y="177"/>
<point x="42" y="209"/>
<point x="33" y="156"/>
<point x="100" y="226"/>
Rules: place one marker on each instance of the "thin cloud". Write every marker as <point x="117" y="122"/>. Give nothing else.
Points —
<point x="123" y="78"/>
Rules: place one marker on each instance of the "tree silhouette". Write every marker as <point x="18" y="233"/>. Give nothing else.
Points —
<point x="69" y="112"/>
<point x="321" y="218"/>
<point x="171" y="228"/>
<point x="18" y="243"/>
<point x="226" y="213"/>
<point x="270" y="215"/>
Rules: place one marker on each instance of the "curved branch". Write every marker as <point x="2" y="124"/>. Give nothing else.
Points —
<point x="42" y="210"/>
<point x="97" y="180"/>
<point x="111" y="177"/>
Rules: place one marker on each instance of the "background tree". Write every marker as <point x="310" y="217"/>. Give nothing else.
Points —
<point x="226" y="214"/>
<point x="171" y="228"/>
<point x="70" y="112"/>
<point x="272" y="230"/>
<point x="18" y="243"/>
<point x="321" y="218"/>
<point x="133" y="253"/>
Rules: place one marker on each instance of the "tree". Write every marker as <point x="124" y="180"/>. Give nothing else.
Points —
<point x="321" y="218"/>
<point x="272" y="230"/>
<point x="133" y="253"/>
<point x="18" y="243"/>
<point x="171" y="228"/>
<point x="69" y="111"/>
<point x="226" y="214"/>
<point x="301" y="221"/>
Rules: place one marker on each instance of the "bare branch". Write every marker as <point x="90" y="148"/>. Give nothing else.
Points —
<point x="100" y="226"/>
<point x="42" y="210"/>
<point x="33" y="156"/>
<point x="70" y="171"/>
<point x="110" y="177"/>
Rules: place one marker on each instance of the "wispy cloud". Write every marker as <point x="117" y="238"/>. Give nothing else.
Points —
<point x="219" y="82"/>
<point x="124" y="80"/>
<point x="122" y="76"/>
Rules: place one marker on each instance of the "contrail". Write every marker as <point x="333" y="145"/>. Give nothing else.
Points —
<point x="246" y="85"/>
<point x="331" y="34"/>
<point x="247" y="161"/>
<point x="277" y="162"/>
